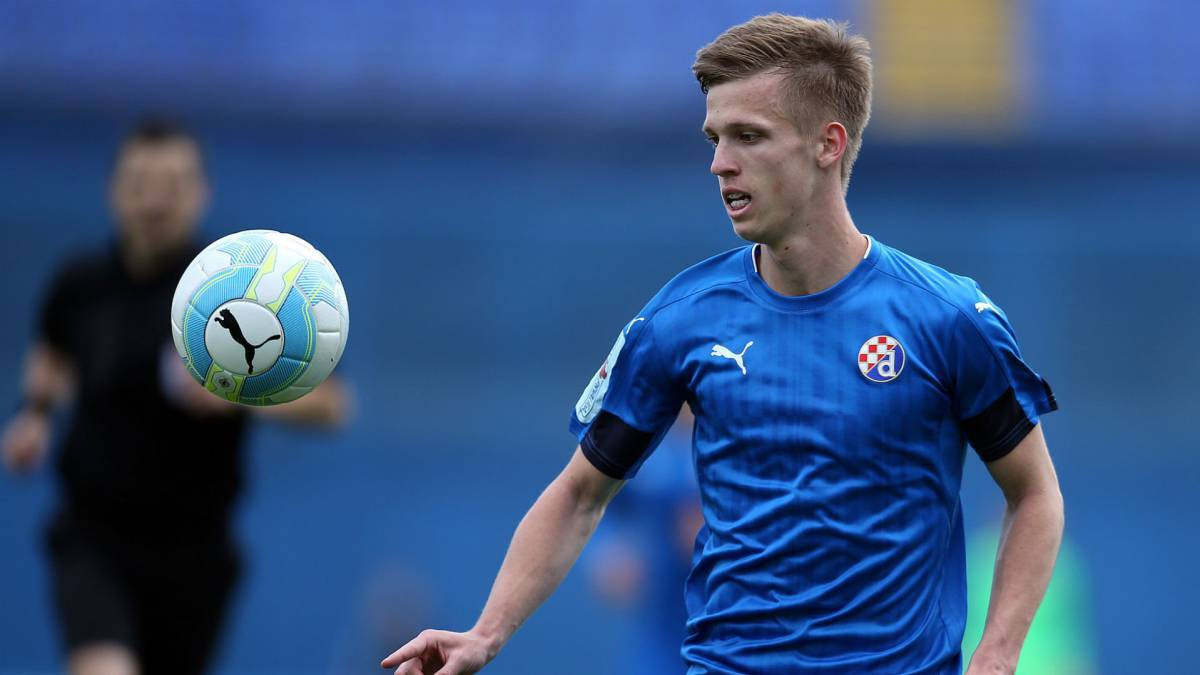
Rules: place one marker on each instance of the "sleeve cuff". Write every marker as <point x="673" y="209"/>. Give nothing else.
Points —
<point x="614" y="447"/>
<point x="1000" y="427"/>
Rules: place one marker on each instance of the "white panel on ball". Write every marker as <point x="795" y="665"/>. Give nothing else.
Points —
<point x="212" y="260"/>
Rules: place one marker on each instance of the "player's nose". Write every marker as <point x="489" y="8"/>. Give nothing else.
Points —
<point x="722" y="163"/>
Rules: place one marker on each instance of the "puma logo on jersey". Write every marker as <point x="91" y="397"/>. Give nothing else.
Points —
<point x="980" y="306"/>
<point x="723" y="351"/>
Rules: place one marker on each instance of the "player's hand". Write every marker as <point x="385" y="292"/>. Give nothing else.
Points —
<point x="179" y="388"/>
<point x="440" y="652"/>
<point x="25" y="441"/>
<point x="200" y="403"/>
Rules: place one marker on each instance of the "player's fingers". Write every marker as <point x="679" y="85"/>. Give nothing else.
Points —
<point x="413" y="649"/>
<point x="411" y="667"/>
<point x="452" y="667"/>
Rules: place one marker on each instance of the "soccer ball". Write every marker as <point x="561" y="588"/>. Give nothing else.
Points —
<point x="260" y="317"/>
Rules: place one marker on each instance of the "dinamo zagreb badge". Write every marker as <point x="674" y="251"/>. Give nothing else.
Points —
<point x="881" y="358"/>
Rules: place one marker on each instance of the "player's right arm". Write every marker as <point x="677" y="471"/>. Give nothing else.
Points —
<point x="543" y="549"/>
<point x="623" y="413"/>
<point x="46" y="384"/>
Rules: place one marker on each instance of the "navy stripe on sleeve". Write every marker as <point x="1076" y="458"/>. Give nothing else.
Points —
<point x="614" y="447"/>
<point x="1051" y="402"/>
<point x="998" y="429"/>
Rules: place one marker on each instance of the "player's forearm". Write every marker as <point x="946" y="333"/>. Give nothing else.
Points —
<point x="1028" y="548"/>
<point x="545" y="546"/>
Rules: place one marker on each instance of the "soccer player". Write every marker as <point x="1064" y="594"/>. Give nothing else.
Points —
<point x="141" y="556"/>
<point x="835" y="382"/>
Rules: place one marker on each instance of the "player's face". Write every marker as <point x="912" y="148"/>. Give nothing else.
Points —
<point x="158" y="193"/>
<point x="766" y="168"/>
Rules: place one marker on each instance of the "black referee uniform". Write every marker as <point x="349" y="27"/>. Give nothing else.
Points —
<point x="140" y="549"/>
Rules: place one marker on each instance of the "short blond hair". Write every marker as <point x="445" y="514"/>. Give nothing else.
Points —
<point x="827" y="72"/>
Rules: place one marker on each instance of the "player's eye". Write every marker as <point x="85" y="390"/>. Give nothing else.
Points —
<point x="749" y="136"/>
<point x="712" y="140"/>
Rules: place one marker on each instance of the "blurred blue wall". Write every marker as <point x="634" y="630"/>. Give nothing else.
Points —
<point x="1079" y="68"/>
<point x="494" y="228"/>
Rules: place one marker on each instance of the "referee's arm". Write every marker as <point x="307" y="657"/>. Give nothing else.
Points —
<point x="1029" y="541"/>
<point x="47" y="382"/>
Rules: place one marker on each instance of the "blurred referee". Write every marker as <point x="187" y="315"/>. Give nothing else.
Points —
<point x="140" y="552"/>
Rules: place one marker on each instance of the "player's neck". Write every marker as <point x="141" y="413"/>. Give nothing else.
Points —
<point x="814" y="257"/>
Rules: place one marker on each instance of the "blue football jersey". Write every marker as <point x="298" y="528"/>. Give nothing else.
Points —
<point x="831" y="431"/>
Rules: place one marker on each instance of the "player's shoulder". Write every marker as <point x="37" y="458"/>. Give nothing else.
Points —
<point x="702" y="279"/>
<point x="953" y="293"/>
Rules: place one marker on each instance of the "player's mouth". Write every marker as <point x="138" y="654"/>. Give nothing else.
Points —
<point x="737" y="202"/>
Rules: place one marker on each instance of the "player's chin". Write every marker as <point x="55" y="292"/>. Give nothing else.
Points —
<point x="748" y="229"/>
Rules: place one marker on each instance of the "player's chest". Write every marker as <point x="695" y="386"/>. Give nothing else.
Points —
<point x="771" y="365"/>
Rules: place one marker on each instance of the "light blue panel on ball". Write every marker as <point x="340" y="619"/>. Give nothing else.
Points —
<point x="247" y="248"/>
<point x="226" y="285"/>
<point x="299" y="342"/>
<point x="317" y="282"/>
<point x="299" y="327"/>
<point x="198" y="359"/>
<point x="256" y="388"/>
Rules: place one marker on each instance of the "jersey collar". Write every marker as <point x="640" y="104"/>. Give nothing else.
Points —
<point x="805" y="303"/>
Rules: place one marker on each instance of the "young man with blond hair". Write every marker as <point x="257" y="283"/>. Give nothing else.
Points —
<point x="836" y="383"/>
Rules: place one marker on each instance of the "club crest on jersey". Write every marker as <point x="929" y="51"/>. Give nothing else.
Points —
<point x="881" y="358"/>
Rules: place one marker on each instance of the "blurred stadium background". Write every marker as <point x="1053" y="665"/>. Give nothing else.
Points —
<point x="502" y="185"/>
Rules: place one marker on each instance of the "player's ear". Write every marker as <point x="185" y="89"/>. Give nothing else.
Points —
<point x="833" y="144"/>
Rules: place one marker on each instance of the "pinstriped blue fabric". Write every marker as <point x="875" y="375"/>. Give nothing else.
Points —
<point x="829" y="449"/>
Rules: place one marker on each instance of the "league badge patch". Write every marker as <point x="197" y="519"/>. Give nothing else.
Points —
<point x="588" y="406"/>
<point x="881" y="359"/>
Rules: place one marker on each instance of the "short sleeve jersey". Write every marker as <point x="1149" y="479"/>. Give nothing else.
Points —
<point x="130" y="455"/>
<point x="831" y="431"/>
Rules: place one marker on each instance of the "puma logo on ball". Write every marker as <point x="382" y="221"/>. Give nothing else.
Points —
<point x="230" y="323"/>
